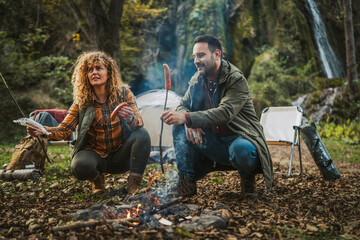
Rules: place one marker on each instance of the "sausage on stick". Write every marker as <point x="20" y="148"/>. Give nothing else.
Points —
<point x="117" y="109"/>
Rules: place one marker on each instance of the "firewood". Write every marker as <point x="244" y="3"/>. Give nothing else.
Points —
<point x="81" y="224"/>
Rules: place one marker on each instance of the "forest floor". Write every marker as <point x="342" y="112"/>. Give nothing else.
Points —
<point x="299" y="207"/>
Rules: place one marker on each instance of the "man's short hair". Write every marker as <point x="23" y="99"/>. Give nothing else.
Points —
<point x="213" y="42"/>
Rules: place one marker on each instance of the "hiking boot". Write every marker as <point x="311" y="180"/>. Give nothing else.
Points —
<point x="184" y="188"/>
<point x="134" y="181"/>
<point x="98" y="184"/>
<point x="248" y="187"/>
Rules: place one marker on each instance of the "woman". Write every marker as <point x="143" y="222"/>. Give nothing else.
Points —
<point x="103" y="145"/>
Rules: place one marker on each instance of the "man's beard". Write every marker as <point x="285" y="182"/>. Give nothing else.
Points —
<point x="208" y="68"/>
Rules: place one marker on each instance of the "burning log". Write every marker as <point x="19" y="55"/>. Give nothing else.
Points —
<point x="168" y="204"/>
<point x="81" y="224"/>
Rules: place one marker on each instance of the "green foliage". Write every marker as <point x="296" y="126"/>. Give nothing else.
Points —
<point x="273" y="83"/>
<point x="57" y="78"/>
<point x="342" y="150"/>
<point x="206" y="17"/>
<point x="137" y="22"/>
<point x="322" y="83"/>
<point x="217" y="178"/>
<point x="181" y="232"/>
<point x="348" y="131"/>
<point x="79" y="197"/>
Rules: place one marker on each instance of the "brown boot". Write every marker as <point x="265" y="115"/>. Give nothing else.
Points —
<point x="248" y="187"/>
<point x="134" y="181"/>
<point x="98" y="184"/>
<point x="185" y="188"/>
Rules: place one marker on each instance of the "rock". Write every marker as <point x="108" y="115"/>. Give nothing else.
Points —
<point x="319" y="106"/>
<point x="205" y="221"/>
<point x="96" y="212"/>
<point x="192" y="207"/>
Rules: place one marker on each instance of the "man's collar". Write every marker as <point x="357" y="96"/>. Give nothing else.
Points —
<point x="224" y="69"/>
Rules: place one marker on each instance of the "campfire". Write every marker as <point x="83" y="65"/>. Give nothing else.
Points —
<point x="151" y="207"/>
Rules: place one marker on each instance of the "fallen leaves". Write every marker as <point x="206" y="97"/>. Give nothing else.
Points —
<point x="298" y="207"/>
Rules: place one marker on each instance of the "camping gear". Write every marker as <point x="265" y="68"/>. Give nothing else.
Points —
<point x="28" y="151"/>
<point x="151" y="105"/>
<point x="23" y="114"/>
<point x="319" y="152"/>
<point x="281" y="127"/>
<point x="21" y="174"/>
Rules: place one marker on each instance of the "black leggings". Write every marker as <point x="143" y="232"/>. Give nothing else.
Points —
<point x="133" y="156"/>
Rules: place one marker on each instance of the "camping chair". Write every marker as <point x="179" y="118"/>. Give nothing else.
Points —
<point x="281" y="127"/>
<point x="58" y="115"/>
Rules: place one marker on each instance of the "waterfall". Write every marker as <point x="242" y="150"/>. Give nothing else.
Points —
<point x="331" y="65"/>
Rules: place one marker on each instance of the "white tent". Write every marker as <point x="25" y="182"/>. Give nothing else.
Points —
<point x="151" y="105"/>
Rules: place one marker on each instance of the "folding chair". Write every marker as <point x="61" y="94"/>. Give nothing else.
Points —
<point x="58" y="115"/>
<point x="281" y="127"/>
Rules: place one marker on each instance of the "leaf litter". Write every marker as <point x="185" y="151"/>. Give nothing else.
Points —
<point x="299" y="206"/>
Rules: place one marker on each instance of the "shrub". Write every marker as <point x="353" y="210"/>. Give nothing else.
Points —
<point x="348" y="131"/>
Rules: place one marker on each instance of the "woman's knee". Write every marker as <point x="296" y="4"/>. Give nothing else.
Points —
<point x="84" y="166"/>
<point x="141" y="135"/>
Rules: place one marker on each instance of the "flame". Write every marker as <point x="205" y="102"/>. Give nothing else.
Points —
<point x="137" y="209"/>
<point x="156" y="201"/>
<point x="128" y="213"/>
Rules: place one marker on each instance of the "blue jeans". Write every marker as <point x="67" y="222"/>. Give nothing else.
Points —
<point x="234" y="151"/>
<point x="45" y="119"/>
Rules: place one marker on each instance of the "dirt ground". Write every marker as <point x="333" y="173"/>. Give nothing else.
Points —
<point x="303" y="206"/>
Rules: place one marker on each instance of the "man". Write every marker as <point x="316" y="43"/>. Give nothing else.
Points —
<point x="215" y="123"/>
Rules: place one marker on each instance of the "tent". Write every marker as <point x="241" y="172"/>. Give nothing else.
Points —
<point x="151" y="105"/>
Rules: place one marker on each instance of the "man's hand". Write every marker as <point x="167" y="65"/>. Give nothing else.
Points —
<point x="194" y="135"/>
<point x="33" y="132"/>
<point x="171" y="117"/>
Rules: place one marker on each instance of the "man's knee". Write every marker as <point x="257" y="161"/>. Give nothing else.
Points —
<point x="243" y="153"/>
<point x="178" y="130"/>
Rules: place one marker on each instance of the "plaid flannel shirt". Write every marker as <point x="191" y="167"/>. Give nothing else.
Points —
<point x="104" y="136"/>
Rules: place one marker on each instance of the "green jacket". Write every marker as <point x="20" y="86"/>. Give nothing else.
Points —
<point x="85" y="119"/>
<point x="235" y="109"/>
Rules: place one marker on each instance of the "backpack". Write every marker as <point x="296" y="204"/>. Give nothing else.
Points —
<point x="28" y="151"/>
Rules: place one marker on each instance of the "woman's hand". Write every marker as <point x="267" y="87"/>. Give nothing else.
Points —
<point x="32" y="132"/>
<point x="127" y="113"/>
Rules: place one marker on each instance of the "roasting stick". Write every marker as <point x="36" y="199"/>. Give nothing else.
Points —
<point x="167" y="87"/>
<point x="23" y="114"/>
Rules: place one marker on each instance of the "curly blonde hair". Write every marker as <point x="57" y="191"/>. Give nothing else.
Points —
<point x="83" y="92"/>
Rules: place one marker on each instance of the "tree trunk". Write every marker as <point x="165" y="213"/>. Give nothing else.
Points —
<point x="104" y="28"/>
<point x="111" y="39"/>
<point x="350" y="48"/>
